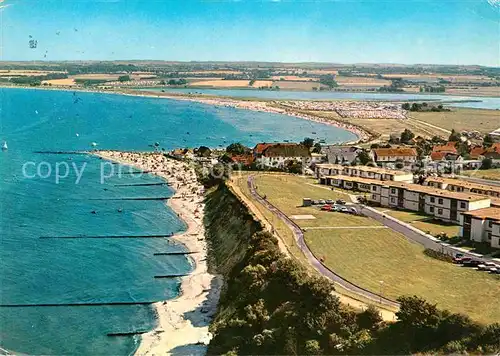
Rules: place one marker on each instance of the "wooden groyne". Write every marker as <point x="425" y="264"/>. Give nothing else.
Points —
<point x="141" y="184"/>
<point x="160" y="236"/>
<point x="145" y="172"/>
<point x="171" y="275"/>
<point x="62" y="152"/>
<point x="174" y="253"/>
<point x="127" y="333"/>
<point x="137" y="198"/>
<point x="89" y="304"/>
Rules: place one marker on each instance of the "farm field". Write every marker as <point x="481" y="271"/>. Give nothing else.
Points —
<point x="362" y="251"/>
<point x="291" y="85"/>
<point x="460" y="119"/>
<point x="221" y="83"/>
<point x="493" y="173"/>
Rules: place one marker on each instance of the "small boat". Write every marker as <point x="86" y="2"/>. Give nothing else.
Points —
<point x="314" y="133"/>
<point x="120" y="210"/>
<point x="93" y="144"/>
<point x="94" y="212"/>
<point x="4" y="146"/>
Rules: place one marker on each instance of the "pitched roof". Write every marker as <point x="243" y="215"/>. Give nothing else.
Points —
<point x="243" y="159"/>
<point x="495" y="148"/>
<point x="260" y="147"/>
<point x="395" y="152"/>
<point x="485" y="213"/>
<point x="476" y="152"/>
<point x="438" y="156"/>
<point x="449" y="148"/>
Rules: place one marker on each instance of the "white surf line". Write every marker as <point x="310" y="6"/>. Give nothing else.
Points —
<point x="344" y="227"/>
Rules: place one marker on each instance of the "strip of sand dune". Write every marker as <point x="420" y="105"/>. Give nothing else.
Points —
<point x="182" y="322"/>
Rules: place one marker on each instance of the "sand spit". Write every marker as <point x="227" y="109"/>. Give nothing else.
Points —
<point x="182" y="322"/>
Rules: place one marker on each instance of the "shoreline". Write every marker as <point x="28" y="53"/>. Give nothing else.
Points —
<point x="182" y="322"/>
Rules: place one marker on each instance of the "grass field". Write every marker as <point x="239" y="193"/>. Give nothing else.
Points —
<point x="383" y="128"/>
<point x="370" y="255"/>
<point x="361" y="81"/>
<point x="291" y="85"/>
<point x="422" y="222"/>
<point x="221" y="83"/>
<point x="381" y="255"/>
<point x="481" y="120"/>
<point x="493" y="174"/>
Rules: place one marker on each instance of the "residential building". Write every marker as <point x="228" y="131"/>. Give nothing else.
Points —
<point x="448" y="148"/>
<point x="369" y="172"/>
<point x="476" y="153"/>
<point x="482" y="225"/>
<point x="391" y="156"/>
<point x="277" y="155"/>
<point x="458" y="185"/>
<point x="493" y="152"/>
<point x="438" y="203"/>
<point x="341" y="154"/>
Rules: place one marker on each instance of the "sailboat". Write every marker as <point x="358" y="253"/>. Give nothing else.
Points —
<point x="4" y="146"/>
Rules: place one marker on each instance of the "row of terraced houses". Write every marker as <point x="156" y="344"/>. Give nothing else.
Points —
<point x="475" y="207"/>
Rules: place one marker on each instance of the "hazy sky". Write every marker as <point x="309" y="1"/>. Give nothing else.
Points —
<point x="342" y="31"/>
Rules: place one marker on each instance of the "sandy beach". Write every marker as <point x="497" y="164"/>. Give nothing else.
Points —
<point x="182" y="322"/>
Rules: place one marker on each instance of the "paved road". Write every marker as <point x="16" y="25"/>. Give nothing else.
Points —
<point x="415" y="235"/>
<point x="299" y="238"/>
<point x="480" y="180"/>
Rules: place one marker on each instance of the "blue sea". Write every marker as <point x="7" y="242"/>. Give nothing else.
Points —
<point x="485" y="102"/>
<point x="36" y="203"/>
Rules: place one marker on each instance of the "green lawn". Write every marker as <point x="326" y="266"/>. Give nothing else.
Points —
<point x="288" y="197"/>
<point x="423" y="222"/>
<point x="367" y="256"/>
<point x="493" y="173"/>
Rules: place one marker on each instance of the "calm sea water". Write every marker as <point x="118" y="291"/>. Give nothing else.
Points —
<point x="39" y="271"/>
<point x="479" y="102"/>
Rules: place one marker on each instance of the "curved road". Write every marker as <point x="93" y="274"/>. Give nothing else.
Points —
<point x="299" y="238"/>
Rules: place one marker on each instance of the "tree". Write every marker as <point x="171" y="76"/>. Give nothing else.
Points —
<point x="328" y="80"/>
<point x="203" y="151"/>
<point x="237" y="149"/>
<point x="124" y="78"/>
<point x="416" y="312"/>
<point x="364" y="157"/>
<point x="317" y="147"/>
<point x="407" y="136"/>
<point x="369" y="318"/>
<point x="308" y="142"/>
<point x="487" y="141"/>
<point x="454" y="136"/>
<point x="486" y="163"/>
<point x="406" y="106"/>
<point x="312" y="347"/>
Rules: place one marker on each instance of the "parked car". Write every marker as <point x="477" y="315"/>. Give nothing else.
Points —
<point x="329" y="201"/>
<point x="459" y="258"/>
<point x="315" y="202"/>
<point x="326" y="207"/>
<point x="486" y="266"/>
<point x="321" y="201"/>
<point x="344" y="209"/>
<point x="335" y="208"/>
<point x="341" y="201"/>
<point x="495" y="270"/>
<point x="471" y="263"/>
<point x="353" y="210"/>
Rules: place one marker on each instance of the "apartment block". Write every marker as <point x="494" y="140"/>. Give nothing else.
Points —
<point x="441" y="204"/>
<point x="482" y="225"/>
<point x="323" y="170"/>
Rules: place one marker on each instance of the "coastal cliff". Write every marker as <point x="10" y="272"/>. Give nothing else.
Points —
<point x="270" y="304"/>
